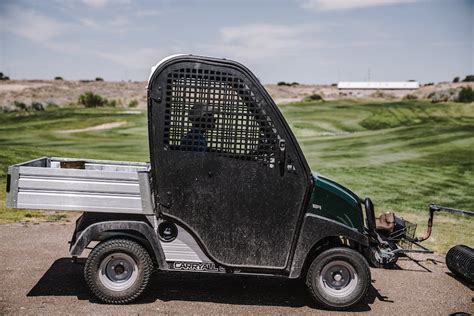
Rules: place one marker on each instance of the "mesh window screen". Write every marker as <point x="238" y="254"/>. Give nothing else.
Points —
<point x="214" y="111"/>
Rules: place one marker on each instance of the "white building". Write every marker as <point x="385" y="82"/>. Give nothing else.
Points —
<point x="369" y="85"/>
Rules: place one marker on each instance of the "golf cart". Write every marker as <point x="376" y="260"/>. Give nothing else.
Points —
<point x="227" y="190"/>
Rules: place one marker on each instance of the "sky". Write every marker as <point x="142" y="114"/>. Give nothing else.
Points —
<point x="307" y="41"/>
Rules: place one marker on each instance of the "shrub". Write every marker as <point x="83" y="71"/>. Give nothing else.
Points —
<point x="112" y="103"/>
<point x="52" y="105"/>
<point x="92" y="100"/>
<point x="3" y="77"/>
<point x="133" y="104"/>
<point x="429" y="84"/>
<point x="58" y="78"/>
<point x="37" y="106"/>
<point x="283" y="83"/>
<point x="382" y="95"/>
<point x="20" y="106"/>
<point x="456" y="79"/>
<point x="314" y="97"/>
<point x="469" y="78"/>
<point x="440" y="96"/>
<point x="466" y="95"/>
<point x="410" y="97"/>
<point x="99" y="79"/>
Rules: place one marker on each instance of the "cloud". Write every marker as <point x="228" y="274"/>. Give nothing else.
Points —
<point x="95" y="4"/>
<point x="32" y="25"/>
<point x="117" y="24"/>
<point x="142" y="58"/>
<point x="257" y="41"/>
<point x="340" y="5"/>
<point x="145" y="13"/>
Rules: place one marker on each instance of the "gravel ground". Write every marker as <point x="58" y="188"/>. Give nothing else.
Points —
<point x="39" y="278"/>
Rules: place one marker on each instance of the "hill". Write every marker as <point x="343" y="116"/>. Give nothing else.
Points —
<point x="65" y="92"/>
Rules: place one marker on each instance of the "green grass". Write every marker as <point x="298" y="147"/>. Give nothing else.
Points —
<point x="404" y="155"/>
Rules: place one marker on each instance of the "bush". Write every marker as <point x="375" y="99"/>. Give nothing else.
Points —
<point x="440" y="96"/>
<point x="429" y="84"/>
<point x="456" y="79"/>
<point x="466" y="95"/>
<point x="283" y="83"/>
<point x="52" y="105"/>
<point x="92" y="100"/>
<point x="133" y="104"/>
<point x="314" y="97"/>
<point x="410" y="97"/>
<point x="469" y="78"/>
<point x="99" y="79"/>
<point x="382" y="95"/>
<point x="3" y="77"/>
<point x="37" y="106"/>
<point x="20" y="106"/>
<point x="112" y="103"/>
<point x="58" y="78"/>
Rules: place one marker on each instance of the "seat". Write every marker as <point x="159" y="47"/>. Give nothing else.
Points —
<point x="385" y="223"/>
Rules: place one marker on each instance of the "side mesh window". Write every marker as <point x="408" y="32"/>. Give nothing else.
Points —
<point x="216" y="112"/>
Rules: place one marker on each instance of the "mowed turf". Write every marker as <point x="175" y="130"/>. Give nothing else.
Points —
<point x="404" y="155"/>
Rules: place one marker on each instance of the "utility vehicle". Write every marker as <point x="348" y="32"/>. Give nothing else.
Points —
<point x="227" y="190"/>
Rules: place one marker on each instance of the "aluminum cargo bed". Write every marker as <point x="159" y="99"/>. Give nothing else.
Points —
<point x="70" y="184"/>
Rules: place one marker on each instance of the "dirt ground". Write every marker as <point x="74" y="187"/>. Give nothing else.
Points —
<point x="38" y="277"/>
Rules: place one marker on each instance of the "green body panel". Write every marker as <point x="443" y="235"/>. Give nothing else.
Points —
<point x="331" y="200"/>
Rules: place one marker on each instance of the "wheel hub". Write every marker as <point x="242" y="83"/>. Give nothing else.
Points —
<point x="118" y="272"/>
<point x="338" y="278"/>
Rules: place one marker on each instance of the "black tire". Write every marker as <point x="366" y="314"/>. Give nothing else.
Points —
<point x="106" y="272"/>
<point x="349" y="276"/>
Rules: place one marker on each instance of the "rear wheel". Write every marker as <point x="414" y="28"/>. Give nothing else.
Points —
<point x="117" y="271"/>
<point x="338" y="278"/>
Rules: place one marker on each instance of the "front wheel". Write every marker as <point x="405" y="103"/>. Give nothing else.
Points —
<point x="117" y="271"/>
<point x="338" y="278"/>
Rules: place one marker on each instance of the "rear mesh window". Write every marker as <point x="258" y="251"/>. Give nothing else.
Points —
<point x="213" y="111"/>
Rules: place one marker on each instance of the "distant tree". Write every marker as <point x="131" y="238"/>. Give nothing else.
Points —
<point x="314" y="97"/>
<point x="466" y="95"/>
<point x="92" y="100"/>
<point x="37" y="106"/>
<point x="294" y="83"/>
<point x="20" y="106"/>
<point x="469" y="78"/>
<point x="282" y="83"/>
<point x="456" y="79"/>
<point x="133" y="104"/>
<point x="58" y="78"/>
<point x="3" y="77"/>
<point x="99" y="79"/>
<point x="410" y="97"/>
